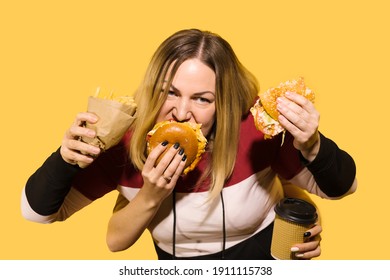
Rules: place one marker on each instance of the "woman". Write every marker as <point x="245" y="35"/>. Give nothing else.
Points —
<point x="223" y="208"/>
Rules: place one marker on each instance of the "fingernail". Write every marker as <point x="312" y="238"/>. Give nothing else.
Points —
<point x="164" y="143"/>
<point x="299" y="255"/>
<point x="176" y="146"/>
<point x="184" y="158"/>
<point x="294" y="249"/>
<point x="307" y="234"/>
<point x="181" y="151"/>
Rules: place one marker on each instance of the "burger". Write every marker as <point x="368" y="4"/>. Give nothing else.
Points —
<point x="264" y="110"/>
<point x="188" y="135"/>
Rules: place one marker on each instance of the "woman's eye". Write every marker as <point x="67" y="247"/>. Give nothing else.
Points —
<point x="170" y="92"/>
<point x="202" y="100"/>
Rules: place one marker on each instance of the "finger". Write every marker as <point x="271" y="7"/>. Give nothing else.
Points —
<point x="75" y="132"/>
<point x="176" y="166"/>
<point x="316" y="252"/>
<point x="292" y="112"/>
<point x="85" y="117"/>
<point x="303" y="127"/>
<point x="289" y="126"/>
<point x="307" y="246"/>
<point x="78" y="128"/>
<point x="168" y="159"/>
<point x="314" y="231"/>
<point x="301" y="100"/>
<point x="167" y="152"/>
<point x="154" y="155"/>
<point x="82" y="147"/>
<point x="73" y="156"/>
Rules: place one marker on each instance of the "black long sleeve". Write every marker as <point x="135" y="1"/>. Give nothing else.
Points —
<point x="333" y="169"/>
<point x="47" y="187"/>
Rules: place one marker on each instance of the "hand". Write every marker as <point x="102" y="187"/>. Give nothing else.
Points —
<point x="73" y="150"/>
<point x="311" y="248"/>
<point x="299" y="116"/>
<point x="160" y="179"/>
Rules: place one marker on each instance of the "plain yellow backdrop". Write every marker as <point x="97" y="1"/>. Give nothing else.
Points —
<point x="53" y="55"/>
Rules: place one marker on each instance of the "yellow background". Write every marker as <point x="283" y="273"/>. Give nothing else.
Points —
<point x="53" y="55"/>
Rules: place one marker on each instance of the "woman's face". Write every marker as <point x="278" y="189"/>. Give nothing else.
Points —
<point x="191" y="96"/>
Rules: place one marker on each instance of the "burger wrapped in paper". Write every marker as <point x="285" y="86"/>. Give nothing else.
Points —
<point x="188" y="135"/>
<point x="264" y="111"/>
<point x="115" y="113"/>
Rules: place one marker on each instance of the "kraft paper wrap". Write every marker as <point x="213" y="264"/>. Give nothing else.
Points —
<point x="115" y="119"/>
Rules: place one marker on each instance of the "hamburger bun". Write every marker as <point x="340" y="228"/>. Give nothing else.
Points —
<point x="188" y="135"/>
<point x="264" y="111"/>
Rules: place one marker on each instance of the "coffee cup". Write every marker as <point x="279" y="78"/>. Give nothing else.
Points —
<point x="293" y="218"/>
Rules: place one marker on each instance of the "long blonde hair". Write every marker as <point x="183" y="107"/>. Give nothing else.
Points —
<point x="236" y="90"/>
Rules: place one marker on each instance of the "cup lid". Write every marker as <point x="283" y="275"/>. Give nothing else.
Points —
<point x="296" y="210"/>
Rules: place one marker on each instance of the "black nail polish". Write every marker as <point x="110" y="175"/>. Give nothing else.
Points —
<point x="184" y="158"/>
<point x="176" y="146"/>
<point x="181" y="151"/>
<point x="164" y="143"/>
<point x="307" y="234"/>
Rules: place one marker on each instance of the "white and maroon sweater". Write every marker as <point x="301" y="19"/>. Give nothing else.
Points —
<point x="57" y="190"/>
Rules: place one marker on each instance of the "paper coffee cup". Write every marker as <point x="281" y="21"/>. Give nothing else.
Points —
<point x="293" y="218"/>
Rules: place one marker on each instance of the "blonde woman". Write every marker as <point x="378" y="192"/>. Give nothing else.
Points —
<point x="224" y="208"/>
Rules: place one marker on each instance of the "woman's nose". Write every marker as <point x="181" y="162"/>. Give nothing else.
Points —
<point x="182" y="111"/>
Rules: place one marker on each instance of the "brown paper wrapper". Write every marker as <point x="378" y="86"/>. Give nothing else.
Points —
<point x="115" y="119"/>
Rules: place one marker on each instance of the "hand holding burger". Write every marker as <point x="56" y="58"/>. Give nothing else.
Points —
<point x="188" y="135"/>
<point x="289" y="107"/>
<point x="265" y="110"/>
